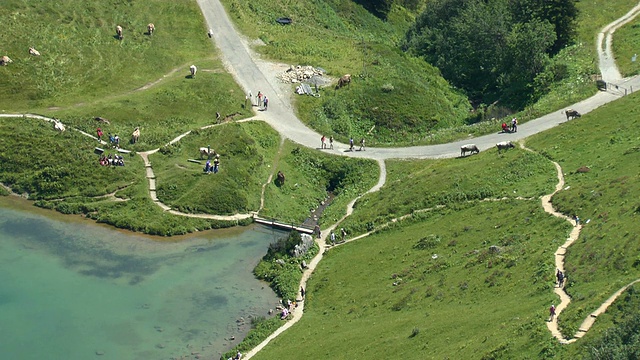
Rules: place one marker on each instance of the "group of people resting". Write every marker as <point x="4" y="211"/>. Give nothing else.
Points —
<point x="512" y="128"/>
<point x="208" y="168"/>
<point x="112" y="160"/>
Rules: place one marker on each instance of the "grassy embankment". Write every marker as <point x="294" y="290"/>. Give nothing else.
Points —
<point x="472" y="301"/>
<point x="309" y="175"/>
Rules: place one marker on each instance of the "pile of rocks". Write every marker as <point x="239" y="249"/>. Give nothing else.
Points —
<point x="296" y="74"/>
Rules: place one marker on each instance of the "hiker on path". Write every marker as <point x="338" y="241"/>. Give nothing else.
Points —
<point x="266" y="103"/>
<point x="362" y="148"/>
<point x="323" y="142"/>
<point x="316" y="230"/>
<point x="259" y="99"/>
<point x="302" y="292"/>
<point x="514" y="125"/>
<point x="552" y="312"/>
<point x="333" y="238"/>
<point x="351" y="143"/>
<point x="560" y="277"/>
<point x="331" y="142"/>
<point x="577" y="219"/>
<point x="343" y="232"/>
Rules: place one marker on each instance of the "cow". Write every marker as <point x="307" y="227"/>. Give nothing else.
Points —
<point x="472" y="148"/>
<point x="344" y="80"/>
<point x="135" y="136"/>
<point x="207" y="151"/>
<point x="119" y="32"/>
<point x="505" y="145"/>
<point x="4" y="61"/>
<point x="34" y="52"/>
<point x="151" y="28"/>
<point x="102" y="120"/>
<point x="193" y="69"/>
<point x="58" y="125"/>
<point x="280" y="178"/>
<point x="572" y="114"/>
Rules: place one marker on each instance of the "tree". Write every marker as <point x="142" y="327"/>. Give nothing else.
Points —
<point x="561" y="14"/>
<point x="482" y="47"/>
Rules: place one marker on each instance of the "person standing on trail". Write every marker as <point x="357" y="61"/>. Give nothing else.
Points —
<point x="333" y="238"/>
<point x="552" y="312"/>
<point x="362" y="148"/>
<point x="560" y="278"/>
<point x="302" y="292"/>
<point x="351" y="143"/>
<point x="514" y="125"/>
<point x="331" y="142"/>
<point x="577" y="219"/>
<point x="266" y="103"/>
<point x="259" y="99"/>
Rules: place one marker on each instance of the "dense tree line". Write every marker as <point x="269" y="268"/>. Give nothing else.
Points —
<point x="492" y="49"/>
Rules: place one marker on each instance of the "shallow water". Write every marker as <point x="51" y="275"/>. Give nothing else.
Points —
<point x="72" y="289"/>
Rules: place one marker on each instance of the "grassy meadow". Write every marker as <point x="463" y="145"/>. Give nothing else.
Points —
<point x="246" y="155"/>
<point x="309" y="175"/>
<point x="414" y="185"/>
<point x="434" y="288"/>
<point x="605" y="257"/>
<point x="81" y="60"/>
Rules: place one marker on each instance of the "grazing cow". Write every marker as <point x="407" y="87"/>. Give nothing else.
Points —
<point x="193" y="69"/>
<point x="151" y="28"/>
<point x="280" y="178"/>
<point x="207" y="151"/>
<point x="135" y="136"/>
<point x="344" y="80"/>
<point x="119" y="32"/>
<point x="572" y="114"/>
<point x="102" y="120"/>
<point x="505" y="145"/>
<point x="4" y="61"/>
<point x="58" y="125"/>
<point x="34" y="52"/>
<point x="472" y="148"/>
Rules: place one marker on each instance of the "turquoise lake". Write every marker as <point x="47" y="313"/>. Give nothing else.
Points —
<point x="71" y="289"/>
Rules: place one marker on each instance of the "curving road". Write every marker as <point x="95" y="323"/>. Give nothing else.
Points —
<point x="246" y="68"/>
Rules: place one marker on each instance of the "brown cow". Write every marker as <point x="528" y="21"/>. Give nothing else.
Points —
<point x="572" y="114"/>
<point x="344" y="80"/>
<point x="151" y="28"/>
<point x="280" y="178"/>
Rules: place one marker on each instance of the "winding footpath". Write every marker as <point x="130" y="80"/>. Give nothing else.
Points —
<point x="254" y="75"/>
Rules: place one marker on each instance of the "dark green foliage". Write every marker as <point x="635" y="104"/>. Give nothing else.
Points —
<point x="280" y="269"/>
<point x="561" y="14"/>
<point x="283" y="246"/>
<point x="491" y="49"/>
<point x="379" y="8"/>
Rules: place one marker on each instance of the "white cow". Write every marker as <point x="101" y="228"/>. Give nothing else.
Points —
<point x="151" y="28"/>
<point x="119" y="32"/>
<point x="472" y="148"/>
<point x="4" y="61"/>
<point x="34" y="52"/>
<point x="135" y="136"/>
<point x="58" y="125"/>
